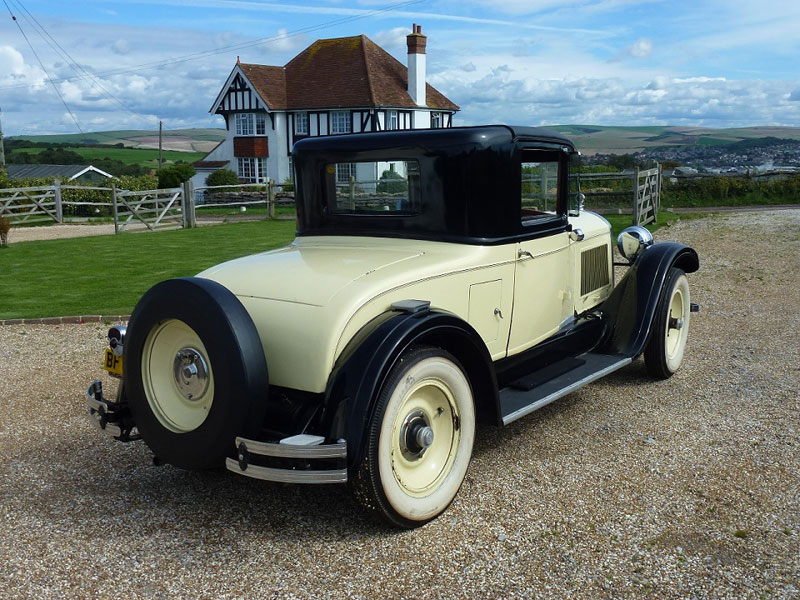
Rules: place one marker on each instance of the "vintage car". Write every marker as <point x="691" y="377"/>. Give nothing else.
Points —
<point x="438" y="278"/>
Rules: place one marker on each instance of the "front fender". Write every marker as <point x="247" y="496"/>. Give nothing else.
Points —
<point x="631" y="306"/>
<point x="362" y="368"/>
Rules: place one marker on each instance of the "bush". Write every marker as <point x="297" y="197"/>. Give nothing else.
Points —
<point x="287" y="185"/>
<point x="392" y="183"/>
<point x="5" y="181"/>
<point x="222" y="177"/>
<point x="175" y="175"/>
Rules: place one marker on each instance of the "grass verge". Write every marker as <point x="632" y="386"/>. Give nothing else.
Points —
<point x="108" y="274"/>
<point x="665" y="218"/>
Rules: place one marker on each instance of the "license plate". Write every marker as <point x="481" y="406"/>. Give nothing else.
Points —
<point x="113" y="363"/>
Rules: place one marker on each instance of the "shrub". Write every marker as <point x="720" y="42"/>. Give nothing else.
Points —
<point x="392" y="183"/>
<point x="175" y="175"/>
<point x="5" y="181"/>
<point x="222" y="177"/>
<point x="287" y="185"/>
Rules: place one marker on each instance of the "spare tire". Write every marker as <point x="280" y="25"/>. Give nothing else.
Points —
<point x="195" y="372"/>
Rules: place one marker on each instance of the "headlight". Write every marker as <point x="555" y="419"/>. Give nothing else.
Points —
<point x="632" y="241"/>
<point x="116" y="339"/>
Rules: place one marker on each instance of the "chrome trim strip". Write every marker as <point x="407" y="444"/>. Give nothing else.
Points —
<point x="517" y="414"/>
<point x="287" y="475"/>
<point x="293" y="451"/>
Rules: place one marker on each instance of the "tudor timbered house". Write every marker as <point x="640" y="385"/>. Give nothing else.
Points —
<point x="334" y="86"/>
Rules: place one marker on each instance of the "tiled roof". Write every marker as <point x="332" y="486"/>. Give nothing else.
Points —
<point x="209" y="164"/>
<point x="339" y="73"/>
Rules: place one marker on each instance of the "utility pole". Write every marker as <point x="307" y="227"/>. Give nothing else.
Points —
<point x="160" y="162"/>
<point x="2" y="151"/>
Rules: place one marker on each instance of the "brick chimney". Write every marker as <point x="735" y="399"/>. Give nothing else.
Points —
<point x="416" y="65"/>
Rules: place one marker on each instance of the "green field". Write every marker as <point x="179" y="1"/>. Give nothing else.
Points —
<point x="122" y="136"/>
<point x="130" y="156"/>
<point x="108" y="274"/>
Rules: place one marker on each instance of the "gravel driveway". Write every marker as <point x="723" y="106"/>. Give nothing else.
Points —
<point x="687" y="488"/>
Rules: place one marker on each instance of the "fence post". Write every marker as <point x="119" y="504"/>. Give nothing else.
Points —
<point x="271" y="199"/>
<point x="658" y="191"/>
<point x="636" y="196"/>
<point x="352" y="192"/>
<point x="57" y="198"/>
<point x="114" y="213"/>
<point x="188" y="218"/>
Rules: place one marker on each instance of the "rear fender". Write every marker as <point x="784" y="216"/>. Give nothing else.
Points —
<point x="630" y="308"/>
<point x="361" y="370"/>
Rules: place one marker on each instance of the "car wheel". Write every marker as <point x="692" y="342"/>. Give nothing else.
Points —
<point x="664" y="351"/>
<point x="420" y="439"/>
<point x="195" y="373"/>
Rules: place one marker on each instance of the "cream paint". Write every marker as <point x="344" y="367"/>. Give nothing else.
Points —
<point x="309" y="299"/>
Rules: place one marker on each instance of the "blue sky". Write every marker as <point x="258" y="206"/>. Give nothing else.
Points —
<point x="707" y="63"/>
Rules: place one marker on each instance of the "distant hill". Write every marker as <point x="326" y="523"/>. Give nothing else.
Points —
<point x="184" y="140"/>
<point x="599" y="139"/>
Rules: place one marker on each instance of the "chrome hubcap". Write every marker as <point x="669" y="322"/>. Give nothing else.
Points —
<point x="190" y="371"/>
<point x="416" y="435"/>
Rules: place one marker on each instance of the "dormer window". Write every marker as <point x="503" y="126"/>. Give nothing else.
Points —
<point x="251" y="124"/>
<point x="301" y="123"/>
<point x="436" y="120"/>
<point x="391" y="120"/>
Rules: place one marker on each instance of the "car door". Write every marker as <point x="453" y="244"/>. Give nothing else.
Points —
<point x="543" y="297"/>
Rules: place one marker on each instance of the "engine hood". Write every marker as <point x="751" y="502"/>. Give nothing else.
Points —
<point x="309" y="271"/>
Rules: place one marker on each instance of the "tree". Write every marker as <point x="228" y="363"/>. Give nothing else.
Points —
<point x="392" y="183"/>
<point x="222" y="177"/>
<point x="174" y="176"/>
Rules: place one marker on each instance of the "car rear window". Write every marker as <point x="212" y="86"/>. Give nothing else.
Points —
<point x="385" y="187"/>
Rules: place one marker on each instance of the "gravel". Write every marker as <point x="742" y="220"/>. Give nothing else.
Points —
<point x="686" y="488"/>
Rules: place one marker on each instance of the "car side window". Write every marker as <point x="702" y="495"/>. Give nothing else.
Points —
<point x="383" y="187"/>
<point x="540" y="176"/>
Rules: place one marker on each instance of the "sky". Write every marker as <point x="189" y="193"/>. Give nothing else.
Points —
<point x="129" y="64"/>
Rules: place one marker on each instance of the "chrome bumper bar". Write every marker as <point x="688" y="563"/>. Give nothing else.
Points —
<point x="106" y="415"/>
<point x="295" y="453"/>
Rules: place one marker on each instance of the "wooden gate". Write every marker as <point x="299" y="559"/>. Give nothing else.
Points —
<point x="647" y="195"/>
<point x="31" y="205"/>
<point x="152" y="208"/>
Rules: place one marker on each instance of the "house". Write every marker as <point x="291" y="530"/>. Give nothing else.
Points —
<point x="77" y="173"/>
<point x="334" y="86"/>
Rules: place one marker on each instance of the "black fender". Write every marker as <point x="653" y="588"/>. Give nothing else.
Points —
<point x="630" y="308"/>
<point x="361" y="370"/>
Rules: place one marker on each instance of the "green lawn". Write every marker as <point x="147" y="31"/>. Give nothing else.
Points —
<point x="146" y="157"/>
<point x="665" y="217"/>
<point x="108" y="274"/>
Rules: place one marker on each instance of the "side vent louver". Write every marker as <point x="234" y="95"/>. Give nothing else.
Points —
<point x="594" y="269"/>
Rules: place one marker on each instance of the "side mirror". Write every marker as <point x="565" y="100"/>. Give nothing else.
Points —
<point x="580" y="200"/>
<point x="632" y="241"/>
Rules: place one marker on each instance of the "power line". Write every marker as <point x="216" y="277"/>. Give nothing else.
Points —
<point x="44" y="34"/>
<point x="225" y="49"/>
<point x="41" y="64"/>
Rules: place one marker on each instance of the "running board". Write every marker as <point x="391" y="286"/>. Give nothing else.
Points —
<point x="515" y="403"/>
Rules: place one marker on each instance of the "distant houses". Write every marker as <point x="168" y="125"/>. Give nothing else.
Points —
<point x="334" y="86"/>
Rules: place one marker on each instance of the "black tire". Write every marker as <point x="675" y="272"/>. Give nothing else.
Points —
<point x="234" y="399"/>
<point x="425" y="385"/>
<point x="669" y="331"/>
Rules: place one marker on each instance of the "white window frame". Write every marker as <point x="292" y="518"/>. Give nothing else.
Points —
<point x="341" y="122"/>
<point x="261" y="124"/>
<point x="251" y="169"/>
<point x="392" y="120"/>
<point x="344" y="171"/>
<point x="244" y="123"/>
<point x="301" y="123"/>
<point x="436" y="120"/>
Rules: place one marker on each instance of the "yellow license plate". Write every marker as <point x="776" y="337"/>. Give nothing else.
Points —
<point x="113" y="363"/>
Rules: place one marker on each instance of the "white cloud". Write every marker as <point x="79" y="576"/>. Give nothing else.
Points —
<point x="641" y="48"/>
<point x="121" y="46"/>
<point x="795" y="95"/>
<point x="392" y="40"/>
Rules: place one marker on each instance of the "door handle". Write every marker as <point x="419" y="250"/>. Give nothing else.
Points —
<point x="523" y="253"/>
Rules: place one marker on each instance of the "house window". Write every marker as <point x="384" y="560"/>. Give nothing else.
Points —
<point x="301" y="123"/>
<point x="261" y="124"/>
<point x="252" y="170"/>
<point x="344" y="171"/>
<point x="436" y="120"/>
<point x="244" y="123"/>
<point x="391" y="120"/>
<point x="248" y="123"/>
<point x="340" y="122"/>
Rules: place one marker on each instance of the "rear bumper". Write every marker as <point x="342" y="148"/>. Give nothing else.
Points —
<point x="290" y="463"/>
<point x="111" y="418"/>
